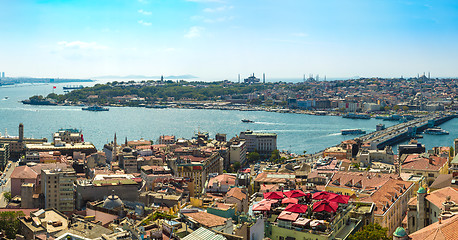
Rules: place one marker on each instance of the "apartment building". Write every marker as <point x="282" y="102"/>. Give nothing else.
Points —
<point x="57" y="187"/>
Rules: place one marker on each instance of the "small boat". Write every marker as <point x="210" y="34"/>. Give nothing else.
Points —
<point x="436" y="131"/>
<point x="352" y="131"/>
<point x="95" y="108"/>
<point x="247" y="121"/>
<point x="73" y="87"/>
<point x="5" y="98"/>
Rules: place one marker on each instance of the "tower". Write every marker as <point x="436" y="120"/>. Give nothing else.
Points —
<point x="263" y="78"/>
<point x="162" y="78"/>
<point x="21" y="132"/>
<point x="421" y="209"/>
<point x="114" y="151"/>
<point x="239" y="77"/>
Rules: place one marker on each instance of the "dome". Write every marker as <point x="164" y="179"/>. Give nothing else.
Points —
<point x="400" y="232"/>
<point x="421" y="190"/>
<point x="112" y="202"/>
<point x="127" y="149"/>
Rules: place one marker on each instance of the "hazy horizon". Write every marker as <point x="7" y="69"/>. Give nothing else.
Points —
<point x="219" y="39"/>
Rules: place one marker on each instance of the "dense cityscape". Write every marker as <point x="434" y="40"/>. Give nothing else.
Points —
<point x="240" y="186"/>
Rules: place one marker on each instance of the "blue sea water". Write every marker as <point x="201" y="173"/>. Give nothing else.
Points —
<point x="296" y="132"/>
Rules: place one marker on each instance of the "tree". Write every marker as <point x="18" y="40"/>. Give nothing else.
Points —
<point x="371" y="232"/>
<point x="236" y="166"/>
<point x="275" y="155"/>
<point x="7" y="196"/>
<point x="9" y="223"/>
<point x="253" y="156"/>
<point x="405" y="108"/>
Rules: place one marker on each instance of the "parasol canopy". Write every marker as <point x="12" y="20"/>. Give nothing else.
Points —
<point x="289" y="200"/>
<point x="262" y="207"/>
<point x="294" y="194"/>
<point x="297" y="208"/>
<point x="322" y="195"/>
<point x="273" y="195"/>
<point x="339" y="199"/>
<point x="288" y="216"/>
<point x="326" y="206"/>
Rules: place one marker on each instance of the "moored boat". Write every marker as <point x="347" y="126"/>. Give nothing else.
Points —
<point x="352" y="131"/>
<point x="95" y="108"/>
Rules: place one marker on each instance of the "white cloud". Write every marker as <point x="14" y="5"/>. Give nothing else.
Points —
<point x="144" y="12"/>
<point x="300" y="34"/>
<point x="147" y="24"/>
<point x="218" y="9"/>
<point x="194" y="32"/>
<point x="81" y="45"/>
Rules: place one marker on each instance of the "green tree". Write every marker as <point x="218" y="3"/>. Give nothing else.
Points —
<point x="452" y="152"/>
<point x="253" y="156"/>
<point x="7" y="196"/>
<point x="9" y="223"/>
<point x="396" y="108"/>
<point x="405" y="108"/>
<point x="236" y="166"/>
<point x="275" y="155"/>
<point x="387" y="108"/>
<point x="371" y="232"/>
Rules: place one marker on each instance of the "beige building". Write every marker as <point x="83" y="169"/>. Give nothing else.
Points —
<point x="237" y="153"/>
<point x="57" y="187"/>
<point x="366" y="157"/>
<point x="391" y="203"/>
<point x="427" y="165"/>
<point x="197" y="169"/>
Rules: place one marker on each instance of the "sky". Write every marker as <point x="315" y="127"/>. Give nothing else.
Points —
<point x="219" y="39"/>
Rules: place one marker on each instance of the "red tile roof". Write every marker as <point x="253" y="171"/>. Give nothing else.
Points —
<point x="368" y="181"/>
<point x="438" y="197"/>
<point x="24" y="172"/>
<point x="446" y="230"/>
<point x="387" y="194"/>
<point x="207" y="219"/>
<point x="236" y="193"/>
<point x="422" y="162"/>
<point x="223" y="179"/>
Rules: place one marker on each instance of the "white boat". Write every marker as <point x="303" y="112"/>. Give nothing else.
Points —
<point x="436" y="131"/>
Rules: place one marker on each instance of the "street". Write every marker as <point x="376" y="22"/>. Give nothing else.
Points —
<point x="6" y="187"/>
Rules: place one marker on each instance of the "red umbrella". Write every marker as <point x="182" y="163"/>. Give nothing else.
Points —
<point x="297" y="208"/>
<point x="325" y="206"/>
<point x="289" y="200"/>
<point x="273" y="195"/>
<point x="322" y="195"/>
<point x="262" y="207"/>
<point x="269" y="201"/>
<point x="294" y="194"/>
<point x="339" y="199"/>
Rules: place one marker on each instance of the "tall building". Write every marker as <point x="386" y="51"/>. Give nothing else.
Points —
<point x="263" y="143"/>
<point x="57" y="187"/>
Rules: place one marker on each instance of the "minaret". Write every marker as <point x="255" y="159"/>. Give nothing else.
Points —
<point x="263" y="78"/>
<point x="125" y="143"/>
<point x="239" y="77"/>
<point x="421" y="209"/>
<point x="21" y="132"/>
<point x="114" y="152"/>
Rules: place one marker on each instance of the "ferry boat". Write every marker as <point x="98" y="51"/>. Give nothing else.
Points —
<point x="95" y="108"/>
<point x="352" y="131"/>
<point x="247" y="121"/>
<point x="357" y="116"/>
<point x="436" y="131"/>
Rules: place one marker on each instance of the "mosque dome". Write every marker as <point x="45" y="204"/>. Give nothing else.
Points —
<point x="112" y="202"/>
<point x="400" y="232"/>
<point x="421" y="190"/>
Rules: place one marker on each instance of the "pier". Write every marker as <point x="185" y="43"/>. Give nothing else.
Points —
<point x="403" y="131"/>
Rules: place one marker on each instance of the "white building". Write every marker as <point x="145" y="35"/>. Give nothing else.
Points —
<point x="263" y="143"/>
